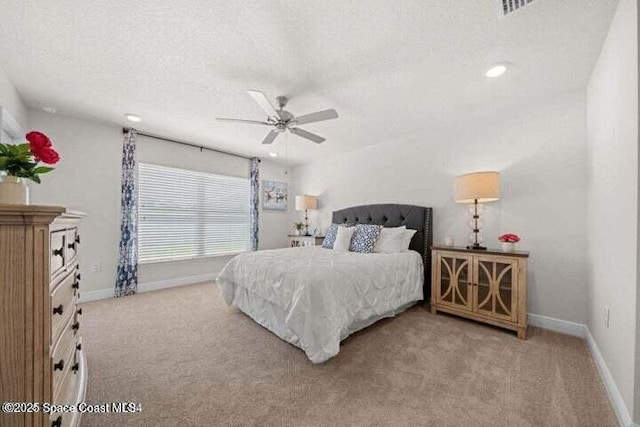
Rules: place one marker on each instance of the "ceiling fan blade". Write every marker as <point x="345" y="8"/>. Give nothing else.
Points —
<point x="317" y="117"/>
<point x="270" y="137"/>
<point x="264" y="103"/>
<point x="308" y="135"/>
<point x="251" y="122"/>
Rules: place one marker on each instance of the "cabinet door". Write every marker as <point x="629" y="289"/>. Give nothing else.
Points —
<point x="454" y="273"/>
<point x="496" y="287"/>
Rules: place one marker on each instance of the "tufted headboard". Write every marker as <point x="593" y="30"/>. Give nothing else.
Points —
<point x="417" y="218"/>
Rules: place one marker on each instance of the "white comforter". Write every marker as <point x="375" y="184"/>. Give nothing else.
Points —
<point x="316" y="297"/>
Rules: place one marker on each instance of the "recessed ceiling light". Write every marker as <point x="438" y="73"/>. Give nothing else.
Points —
<point x="496" y="71"/>
<point x="273" y="154"/>
<point x="48" y="109"/>
<point x="132" y="118"/>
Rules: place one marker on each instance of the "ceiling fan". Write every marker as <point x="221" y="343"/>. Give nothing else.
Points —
<point x="282" y="120"/>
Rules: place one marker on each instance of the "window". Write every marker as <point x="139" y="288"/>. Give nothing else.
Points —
<point x="186" y="214"/>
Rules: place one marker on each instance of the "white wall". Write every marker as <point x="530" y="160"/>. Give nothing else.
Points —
<point x="88" y="179"/>
<point x="612" y="105"/>
<point x="540" y="151"/>
<point x="11" y="100"/>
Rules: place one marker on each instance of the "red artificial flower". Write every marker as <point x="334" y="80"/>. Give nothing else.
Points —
<point x="509" y="238"/>
<point x="38" y="139"/>
<point x="41" y="148"/>
<point x="48" y="156"/>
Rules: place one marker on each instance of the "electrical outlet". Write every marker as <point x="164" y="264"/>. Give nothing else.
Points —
<point x="607" y="316"/>
<point x="96" y="268"/>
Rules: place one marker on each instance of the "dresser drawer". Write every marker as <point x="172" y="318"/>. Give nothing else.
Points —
<point x="62" y="303"/>
<point x="68" y="394"/>
<point x="58" y="254"/>
<point x="62" y="355"/>
<point x="72" y="242"/>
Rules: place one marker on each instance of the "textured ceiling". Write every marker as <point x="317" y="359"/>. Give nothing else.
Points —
<point x="392" y="68"/>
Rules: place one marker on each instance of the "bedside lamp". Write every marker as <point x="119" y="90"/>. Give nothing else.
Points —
<point x="304" y="203"/>
<point x="476" y="188"/>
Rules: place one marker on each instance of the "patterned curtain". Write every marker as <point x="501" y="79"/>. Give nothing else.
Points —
<point x="127" y="279"/>
<point x="254" y="165"/>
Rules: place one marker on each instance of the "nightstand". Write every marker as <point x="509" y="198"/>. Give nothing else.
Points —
<point x="300" y="241"/>
<point x="489" y="286"/>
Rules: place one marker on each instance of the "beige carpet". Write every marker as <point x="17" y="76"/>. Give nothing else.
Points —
<point x="192" y="361"/>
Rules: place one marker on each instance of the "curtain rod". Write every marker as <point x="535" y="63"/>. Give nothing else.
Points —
<point x="189" y="144"/>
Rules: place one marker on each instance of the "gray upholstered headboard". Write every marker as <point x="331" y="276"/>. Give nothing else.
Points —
<point x="417" y="218"/>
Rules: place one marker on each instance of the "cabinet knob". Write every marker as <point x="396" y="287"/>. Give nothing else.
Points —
<point x="79" y="347"/>
<point x="57" y="422"/>
<point x="72" y="245"/>
<point x="58" y="252"/>
<point x="58" y="366"/>
<point x="79" y="276"/>
<point x="75" y="367"/>
<point x="58" y="309"/>
<point x="79" y="311"/>
<point x="75" y="285"/>
<point x="77" y="238"/>
<point x="75" y="326"/>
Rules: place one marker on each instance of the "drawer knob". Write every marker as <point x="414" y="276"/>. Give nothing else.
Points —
<point x="58" y="309"/>
<point x="58" y="366"/>
<point x="75" y="285"/>
<point x="57" y="422"/>
<point x="79" y="347"/>
<point x="58" y="252"/>
<point x="75" y="367"/>
<point x="79" y="276"/>
<point x="72" y="245"/>
<point x="75" y="326"/>
<point x="79" y="311"/>
<point x="77" y="238"/>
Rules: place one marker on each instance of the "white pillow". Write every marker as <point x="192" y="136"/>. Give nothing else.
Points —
<point x="343" y="239"/>
<point x="406" y="239"/>
<point x="390" y="241"/>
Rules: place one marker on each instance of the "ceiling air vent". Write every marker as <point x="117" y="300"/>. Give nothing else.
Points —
<point x="509" y="6"/>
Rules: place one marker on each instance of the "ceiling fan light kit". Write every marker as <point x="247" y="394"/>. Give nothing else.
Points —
<point x="282" y="120"/>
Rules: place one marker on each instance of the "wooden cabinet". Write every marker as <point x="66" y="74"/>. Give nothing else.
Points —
<point x="300" y="241"/>
<point x="487" y="286"/>
<point x="41" y="357"/>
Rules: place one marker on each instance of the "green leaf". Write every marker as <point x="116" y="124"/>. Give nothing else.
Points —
<point x="35" y="178"/>
<point x="42" y="169"/>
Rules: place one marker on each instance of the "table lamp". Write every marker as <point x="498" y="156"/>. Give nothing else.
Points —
<point x="304" y="203"/>
<point x="476" y="188"/>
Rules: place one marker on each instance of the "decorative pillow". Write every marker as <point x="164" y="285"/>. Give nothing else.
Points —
<point x="343" y="238"/>
<point x="330" y="238"/>
<point x="364" y="238"/>
<point x="390" y="241"/>
<point x="408" y="235"/>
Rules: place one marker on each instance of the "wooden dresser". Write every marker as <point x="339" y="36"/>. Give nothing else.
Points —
<point x="41" y="357"/>
<point x="489" y="286"/>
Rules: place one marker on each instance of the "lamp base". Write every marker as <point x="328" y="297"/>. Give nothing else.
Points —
<point x="477" y="247"/>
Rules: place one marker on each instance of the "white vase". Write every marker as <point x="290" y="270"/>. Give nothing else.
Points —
<point x="14" y="191"/>
<point x="508" y="247"/>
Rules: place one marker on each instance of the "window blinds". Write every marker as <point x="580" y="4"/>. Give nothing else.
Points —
<point x="186" y="214"/>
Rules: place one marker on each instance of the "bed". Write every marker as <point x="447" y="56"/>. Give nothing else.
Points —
<point x="314" y="298"/>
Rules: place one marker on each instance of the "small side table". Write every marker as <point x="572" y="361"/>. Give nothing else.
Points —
<point x="301" y="241"/>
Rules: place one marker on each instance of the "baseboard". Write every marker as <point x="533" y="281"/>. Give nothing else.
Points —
<point x="619" y="407"/>
<point x="558" y="325"/>
<point x="149" y="286"/>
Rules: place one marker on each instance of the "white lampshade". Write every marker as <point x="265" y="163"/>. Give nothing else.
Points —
<point x="481" y="186"/>
<point x="306" y="202"/>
